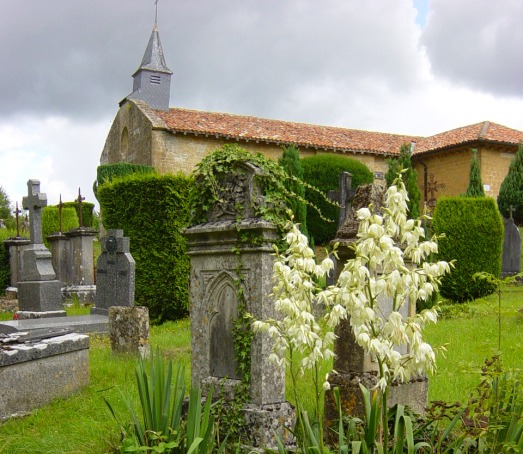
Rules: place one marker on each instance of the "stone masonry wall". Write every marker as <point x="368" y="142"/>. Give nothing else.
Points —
<point x="495" y="162"/>
<point x="131" y="123"/>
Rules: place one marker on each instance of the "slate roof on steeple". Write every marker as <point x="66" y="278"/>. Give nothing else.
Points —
<point x="153" y="58"/>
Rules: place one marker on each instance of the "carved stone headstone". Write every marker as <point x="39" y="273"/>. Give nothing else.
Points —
<point x="39" y="292"/>
<point x="343" y="196"/>
<point x="511" y="259"/>
<point x="227" y="274"/>
<point x="115" y="272"/>
<point x="351" y="362"/>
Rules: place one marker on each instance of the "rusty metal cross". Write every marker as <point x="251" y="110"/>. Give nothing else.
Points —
<point x="432" y="188"/>
<point x="80" y="210"/>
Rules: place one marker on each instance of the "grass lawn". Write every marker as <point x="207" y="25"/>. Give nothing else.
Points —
<point x="83" y="424"/>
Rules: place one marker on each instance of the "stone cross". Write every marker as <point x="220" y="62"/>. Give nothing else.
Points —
<point x="511" y="210"/>
<point x="80" y="214"/>
<point x="343" y="195"/>
<point x="34" y="202"/>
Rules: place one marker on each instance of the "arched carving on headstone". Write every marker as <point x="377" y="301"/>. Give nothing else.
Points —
<point x="223" y="298"/>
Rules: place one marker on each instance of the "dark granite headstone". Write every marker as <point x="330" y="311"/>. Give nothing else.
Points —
<point x="115" y="272"/>
<point x="511" y="261"/>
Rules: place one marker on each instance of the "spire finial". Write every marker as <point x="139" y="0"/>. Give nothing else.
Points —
<point x="156" y="12"/>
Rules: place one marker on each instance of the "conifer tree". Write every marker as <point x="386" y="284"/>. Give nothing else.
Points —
<point x="410" y="178"/>
<point x="511" y="190"/>
<point x="475" y="187"/>
<point x="290" y="161"/>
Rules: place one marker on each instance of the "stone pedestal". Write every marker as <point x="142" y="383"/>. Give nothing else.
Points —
<point x="59" y="245"/>
<point x="39" y="292"/>
<point x="15" y="246"/>
<point x="80" y="264"/>
<point x="129" y="330"/>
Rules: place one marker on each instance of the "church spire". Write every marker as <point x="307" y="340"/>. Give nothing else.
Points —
<point x="152" y="80"/>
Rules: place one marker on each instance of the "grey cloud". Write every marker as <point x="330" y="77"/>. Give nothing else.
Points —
<point x="477" y="43"/>
<point x="76" y="58"/>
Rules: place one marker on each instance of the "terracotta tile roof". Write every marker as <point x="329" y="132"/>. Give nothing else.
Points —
<point x="282" y="132"/>
<point x="480" y="132"/>
<point x="242" y="127"/>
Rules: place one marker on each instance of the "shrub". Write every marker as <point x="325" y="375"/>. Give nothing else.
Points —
<point x="87" y="212"/>
<point x="106" y="172"/>
<point x="473" y="232"/>
<point x="410" y="177"/>
<point x="511" y="190"/>
<point x="475" y="187"/>
<point x="322" y="171"/>
<point x="153" y="211"/>
<point x="5" y="269"/>
<point x="51" y="221"/>
<point x="290" y="161"/>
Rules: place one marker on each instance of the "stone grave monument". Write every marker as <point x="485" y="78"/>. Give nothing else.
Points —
<point x="114" y="273"/>
<point x="39" y="366"/>
<point x="511" y="258"/>
<point x="227" y="276"/>
<point x="39" y="292"/>
<point x="351" y="362"/>
<point x="15" y="247"/>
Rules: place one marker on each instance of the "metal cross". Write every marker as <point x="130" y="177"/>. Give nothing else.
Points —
<point x="343" y="196"/>
<point x="60" y="206"/>
<point x="432" y="188"/>
<point x="34" y="202"/>
<point x="80" y="214"/>
<point x="17" y="212"/>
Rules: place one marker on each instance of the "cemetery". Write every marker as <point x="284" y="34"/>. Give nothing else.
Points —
<point x="276" y="342"/>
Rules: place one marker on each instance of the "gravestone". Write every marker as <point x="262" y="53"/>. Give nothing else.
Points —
<point x="115" y="271"/>
<point x="225" y="274"/>
<point x="40" y="366"/>
<point x="511" y="259"/>
<point x="39" y="292"/>
<point x="343" y="196"/>
<point x="352" y="364"/>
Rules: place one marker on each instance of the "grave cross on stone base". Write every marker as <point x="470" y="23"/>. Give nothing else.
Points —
<point x="34" y="202"/>
<point x="343" y="196"/>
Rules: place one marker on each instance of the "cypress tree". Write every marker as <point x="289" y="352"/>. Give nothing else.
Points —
<point x="410" y="178"/>
<point x="475" y="187"/>
<point x="290" y="161"/>
<point x="511" y="190"/>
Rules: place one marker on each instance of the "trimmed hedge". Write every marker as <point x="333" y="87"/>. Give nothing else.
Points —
<point x="107" y="172"/>
<point x="511" y="190"/>
<point x="5" y="269"/>
<point x="322" y="171"/>
<point x="51" y="221"/>
<point x="474" y="233"/>
<point x="87" y="212"/>
<point x="153" y="211"/>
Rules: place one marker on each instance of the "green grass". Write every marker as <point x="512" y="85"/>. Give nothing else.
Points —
<point x="83" y="424"/>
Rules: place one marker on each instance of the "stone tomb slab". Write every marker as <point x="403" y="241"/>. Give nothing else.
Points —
<point x="34" y="373"/>
<point x="78" y="324"/>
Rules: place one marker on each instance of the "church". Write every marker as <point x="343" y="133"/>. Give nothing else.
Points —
<point x="147" y="131"/>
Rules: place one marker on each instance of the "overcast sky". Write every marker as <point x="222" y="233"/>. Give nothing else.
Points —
<point x="403" y="66"/>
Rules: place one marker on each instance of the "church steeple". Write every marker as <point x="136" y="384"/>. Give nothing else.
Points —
<point x="152" y="80"/>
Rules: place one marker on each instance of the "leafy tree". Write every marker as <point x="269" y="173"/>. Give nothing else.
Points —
<point x="410" y="177"/>
<point x="5" y="207"/>
<point x="511" y="190"/>
<point x="290" y="161"/>
<point x="475" y="187"/>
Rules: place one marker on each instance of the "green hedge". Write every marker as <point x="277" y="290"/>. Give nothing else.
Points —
<point x="474" y="232"/>
<point x="87" y="212"/>
<point x="107" y="172"/>
<point x="153" y="212"/>
<point x="322" y="171"/>
<point x="5" y="270"/>
<point x="51" y="221"/>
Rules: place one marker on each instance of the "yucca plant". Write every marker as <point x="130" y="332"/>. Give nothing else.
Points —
<point x="162" y="426"/>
